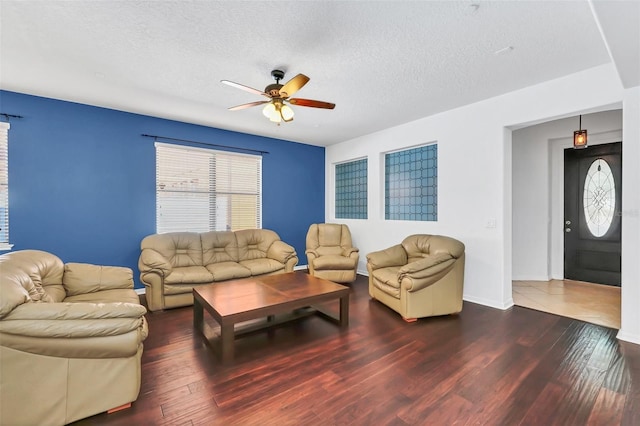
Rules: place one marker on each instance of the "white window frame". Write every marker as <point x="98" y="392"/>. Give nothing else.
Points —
<point x="209" y="191"/>
<point x="4" y="186"/>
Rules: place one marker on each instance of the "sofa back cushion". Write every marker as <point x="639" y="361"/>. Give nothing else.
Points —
<point x="179" y="248"/>
<point x="218" y="247"/>
<point x="254" y="243"/>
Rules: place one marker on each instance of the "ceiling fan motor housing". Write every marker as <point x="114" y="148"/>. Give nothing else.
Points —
<point x="273" y="90"/>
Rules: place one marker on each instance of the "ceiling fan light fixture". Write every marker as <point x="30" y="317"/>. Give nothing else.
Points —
<point x="287" y="113"/>
<point x="269" y="110"/>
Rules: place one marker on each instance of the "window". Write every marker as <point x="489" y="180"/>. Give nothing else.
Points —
<point x="599" y="197"/>
<point x="411" y="184"/>
<point x="4" y="187"/>
<point x="199" y="190"/>
<point x="351" y="190"/>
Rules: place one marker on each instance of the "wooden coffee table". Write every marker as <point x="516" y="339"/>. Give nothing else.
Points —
<point x="290" y="296"/>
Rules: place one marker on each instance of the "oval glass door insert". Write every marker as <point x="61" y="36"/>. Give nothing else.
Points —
<point x="599" y="198"/>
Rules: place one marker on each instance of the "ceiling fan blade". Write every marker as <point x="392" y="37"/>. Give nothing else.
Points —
<point x="249" y="105"/>
<point x="293" y="85"/>
<point x="243" y="87"/>
<point x="311" y="103"/>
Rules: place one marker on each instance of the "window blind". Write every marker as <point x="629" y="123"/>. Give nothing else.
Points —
<point x="200" y="190"/>
<point x="4" y="185"/>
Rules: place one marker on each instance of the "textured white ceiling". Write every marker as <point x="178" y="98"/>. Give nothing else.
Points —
<point x="383" y="63"/>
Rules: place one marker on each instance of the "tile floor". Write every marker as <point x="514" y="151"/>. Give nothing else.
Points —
<point x="593" y="303"/>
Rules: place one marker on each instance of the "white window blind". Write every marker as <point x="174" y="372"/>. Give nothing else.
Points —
<point x="199" y="190"/>
<point x="4" y="186"/>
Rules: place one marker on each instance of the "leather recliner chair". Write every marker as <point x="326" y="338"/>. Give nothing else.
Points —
<point x="421" y="277"/>
<point x="330" y="252"/>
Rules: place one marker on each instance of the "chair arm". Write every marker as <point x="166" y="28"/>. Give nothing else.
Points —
<point x="425" y="272"/>
<point x="348" y="251"/>
<point x="281" y="251"/>
<point x="152" y="261"/>
<point x="71" y="320"/>
<point x="393" y="256"/>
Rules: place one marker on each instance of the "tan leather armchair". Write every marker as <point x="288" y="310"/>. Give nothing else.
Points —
<point x="330" y="252"/>
<point x="71" y="339"/>
<point x="421" y="277"/>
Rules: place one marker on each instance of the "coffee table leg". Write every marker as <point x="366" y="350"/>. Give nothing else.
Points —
<point x="344" y="311"/>
<point x="227" y="340"/>
<point x="198" y="318"/>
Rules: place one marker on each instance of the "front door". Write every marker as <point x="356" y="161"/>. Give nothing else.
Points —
<point x="592" y="213"/>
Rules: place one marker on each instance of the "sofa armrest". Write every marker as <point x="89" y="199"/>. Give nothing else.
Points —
<point x="281" y="251"/>
<point x="73" y="320"/>
<point x="393" y="256"/>
<point x="425" y="272"/>
<point x="152" y="261"/>
<point x="82" y="278"/>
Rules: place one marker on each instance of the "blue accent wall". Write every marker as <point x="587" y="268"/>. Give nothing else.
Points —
<point x="82" y="179"/>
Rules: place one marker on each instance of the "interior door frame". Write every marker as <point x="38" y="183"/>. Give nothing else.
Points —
<point x="556" y="225"/>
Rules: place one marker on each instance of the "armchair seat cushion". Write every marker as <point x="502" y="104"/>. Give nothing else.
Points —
<point x="189" y="275"/>
<point x="228" y="271"/>
<point x="334" y="262"/>
<point x="107" y="296"/>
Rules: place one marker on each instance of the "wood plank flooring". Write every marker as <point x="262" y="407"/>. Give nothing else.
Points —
<point x="481" y="367"/>
<point x="594" y="303"/>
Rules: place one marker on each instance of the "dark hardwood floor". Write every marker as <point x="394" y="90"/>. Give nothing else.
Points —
<point x="482" y="367"/>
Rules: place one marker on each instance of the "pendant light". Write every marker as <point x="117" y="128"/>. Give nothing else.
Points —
<point x="580" y="137"/>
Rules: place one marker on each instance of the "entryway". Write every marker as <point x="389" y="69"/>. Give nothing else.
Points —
<point x="567" y="218"/>
<point x="593" y="303"/>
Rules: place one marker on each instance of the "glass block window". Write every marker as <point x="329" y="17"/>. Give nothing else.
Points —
<point x="411" y="184"/>
<point x="351" y="190"/>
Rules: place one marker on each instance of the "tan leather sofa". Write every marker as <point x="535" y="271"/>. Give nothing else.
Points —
<point x="421" y="277"/>
<point x="172" y="264"/>
<point x="70" y="339"/>
<point x="330" y="252"/>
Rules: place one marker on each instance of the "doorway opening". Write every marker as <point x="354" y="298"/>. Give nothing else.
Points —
<point x="547" y="250"/>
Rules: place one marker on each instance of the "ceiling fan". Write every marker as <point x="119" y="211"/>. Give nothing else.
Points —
<point x="277" y="109"/>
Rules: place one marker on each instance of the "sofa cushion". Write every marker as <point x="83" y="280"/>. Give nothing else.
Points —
<point x="254" y="243"/>
<point x="218" y="247"/>
<point x="80" y="278"/>
<point x="228" y="271"/>
<point x="262" y="266"/>
<point x="181" y="249"/>
<point x="189" y="275"/>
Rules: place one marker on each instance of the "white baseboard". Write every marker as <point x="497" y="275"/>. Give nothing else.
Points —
<point x="490" y="303"/>
<point x="530" y="278"/>
<point x="628" y="337"/>
<point x="140" y="291"/>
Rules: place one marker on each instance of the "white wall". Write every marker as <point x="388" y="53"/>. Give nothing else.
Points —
<point x="538" y="190"/>
<point x="630" y="329"/>
<point x="474" y="173"/>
